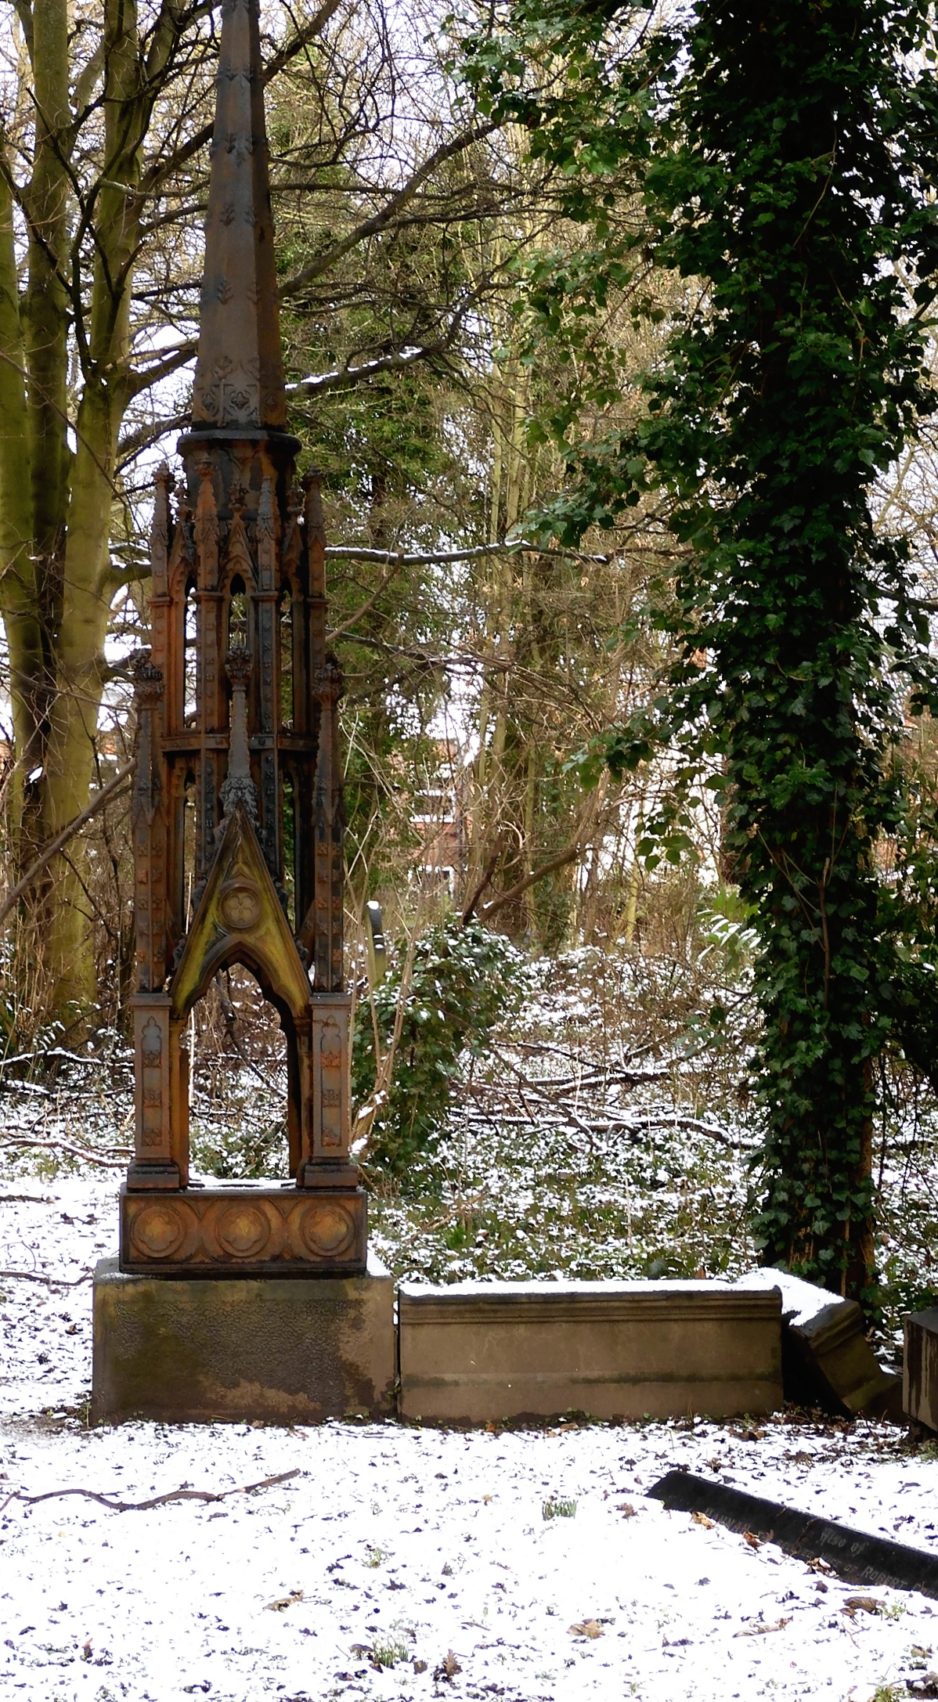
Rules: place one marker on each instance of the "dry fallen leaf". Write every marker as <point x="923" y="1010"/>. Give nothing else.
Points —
<point x="760" y="1630"/>
<point x="285" y="1601"/>
<point x="861" y="1604"/>
<point x="701" y="1519"/>
<point x="752" y="1539"/>
<point x="626" y="1509"/>
<point x="448" y="1667"/>
<point x="586" y="1628"/>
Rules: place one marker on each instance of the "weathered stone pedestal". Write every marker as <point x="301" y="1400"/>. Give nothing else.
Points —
<point x="474" y="1352"/>
<point x="285" y="1350"/>
<point x="242" y="1229"/>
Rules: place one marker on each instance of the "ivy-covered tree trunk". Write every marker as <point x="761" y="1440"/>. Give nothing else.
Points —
<point x="794" y="186"/>
<point x="783" y="153"/>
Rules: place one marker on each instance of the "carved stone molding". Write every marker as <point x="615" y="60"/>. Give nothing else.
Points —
<point x="244" y="1229"/>
<point x="236" y="710"/>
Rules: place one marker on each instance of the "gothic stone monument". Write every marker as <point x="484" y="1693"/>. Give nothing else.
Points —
<point x="249" y="1301"/>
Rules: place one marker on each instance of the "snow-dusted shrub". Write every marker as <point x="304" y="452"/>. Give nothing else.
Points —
<point x="440" y="1001"/>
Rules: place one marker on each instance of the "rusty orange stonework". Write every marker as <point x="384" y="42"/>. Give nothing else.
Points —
<point x="237" y="712"/>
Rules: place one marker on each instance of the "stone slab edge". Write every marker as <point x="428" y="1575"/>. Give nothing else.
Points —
<point x="859" y="1557"/>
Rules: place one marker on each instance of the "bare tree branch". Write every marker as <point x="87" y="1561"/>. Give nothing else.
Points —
<point x="47" y="1281"/>
<point x="476" y="552"/>
<point x="111" y="790"/>
<point x="183" y="1494"/>
<point x="568" y="855"/>
<point x="379" y="221"/>
<point x="343" y="377"/>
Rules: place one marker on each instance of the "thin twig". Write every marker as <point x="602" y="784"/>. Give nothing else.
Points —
<point x="47" y="1281"/>
<point x="183" y="1494"/>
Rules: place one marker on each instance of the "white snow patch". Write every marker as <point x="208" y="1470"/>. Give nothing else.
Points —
<point x="412" y="1563"/>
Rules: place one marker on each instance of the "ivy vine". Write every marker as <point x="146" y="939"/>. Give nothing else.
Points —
<point x="781" y="156"/>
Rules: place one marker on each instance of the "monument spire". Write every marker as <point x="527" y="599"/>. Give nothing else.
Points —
<point x="239" y="368"/>
<point x="237" y="715"/>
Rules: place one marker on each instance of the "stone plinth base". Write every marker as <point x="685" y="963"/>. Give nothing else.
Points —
<point x="288" y="1350"/>
<point x="474" y="1352"/>
<point x="920" y="1368"/>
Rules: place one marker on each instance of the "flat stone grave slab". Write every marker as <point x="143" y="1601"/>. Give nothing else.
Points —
<point x="856" y="1556"/>
<point x="283" y="1350"/>
<point x="475" y="1352"/>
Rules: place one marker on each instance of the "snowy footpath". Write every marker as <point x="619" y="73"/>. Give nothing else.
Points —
<point x="385" y="1561"/>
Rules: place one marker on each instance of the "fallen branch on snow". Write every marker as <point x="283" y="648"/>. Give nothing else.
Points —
<point x="50" y="1282"/>
<point x="183" y="1494"/>
<point x="122" y="1154"/>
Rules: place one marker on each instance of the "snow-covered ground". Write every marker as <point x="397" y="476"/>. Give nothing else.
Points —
<point x="394" y="1562"/>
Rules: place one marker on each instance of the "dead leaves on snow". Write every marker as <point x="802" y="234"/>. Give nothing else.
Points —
<point x="283" y="1602"/>
<point x="448" y="1667"/>
<point x="860" y="1604"/>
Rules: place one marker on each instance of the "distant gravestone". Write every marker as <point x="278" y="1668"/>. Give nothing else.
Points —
<point x="920" y="1368"/>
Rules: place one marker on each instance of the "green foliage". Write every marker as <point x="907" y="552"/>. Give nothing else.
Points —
<point x="562" y="1507"/>
<point x="727" y="933"/>
<point x="243" y="1150"/>
<point x="460" y="981"/>
<point x="783" y="155"/>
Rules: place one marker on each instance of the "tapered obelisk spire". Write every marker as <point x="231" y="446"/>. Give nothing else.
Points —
<point x="239" y="369"/>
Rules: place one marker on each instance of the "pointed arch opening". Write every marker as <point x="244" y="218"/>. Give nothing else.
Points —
<point x="238" y="634"/>
<point x="240" y="1070"/>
